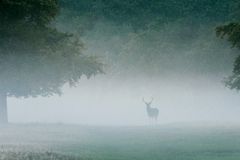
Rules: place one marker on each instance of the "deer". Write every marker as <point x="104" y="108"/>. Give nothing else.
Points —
<point x="151" y="112"/>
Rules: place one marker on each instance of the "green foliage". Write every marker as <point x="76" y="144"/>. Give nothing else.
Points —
<point x="39" y="12"/>
<point x="232" y="32"/>
<point x="36" y="58"/>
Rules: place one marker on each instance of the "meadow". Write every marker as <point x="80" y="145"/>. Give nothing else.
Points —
<point x="158" y="142"/>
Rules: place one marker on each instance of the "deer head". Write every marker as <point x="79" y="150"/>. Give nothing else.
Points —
<point x="148" y="104"/>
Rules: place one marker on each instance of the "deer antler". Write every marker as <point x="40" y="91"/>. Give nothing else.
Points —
<point x="148" y="102"/>
<point x="151" y="100"/>
<point x="144" y="100"/>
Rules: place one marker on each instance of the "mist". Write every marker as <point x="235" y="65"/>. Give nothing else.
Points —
<point x="172" y="63"/>
<point x="119" y="102"/>
<point x="119" y="79"/>
<point x="178" y="61"/>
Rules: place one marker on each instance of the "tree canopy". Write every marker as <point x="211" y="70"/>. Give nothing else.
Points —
<point x="142" y="13"/>
<point x="36" y="58"/>
<point x="153" y="37"/>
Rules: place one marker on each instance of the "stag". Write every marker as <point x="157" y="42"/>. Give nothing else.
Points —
<point x="151" y="112"/>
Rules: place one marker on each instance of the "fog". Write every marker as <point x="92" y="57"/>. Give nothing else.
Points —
<point x="101" y="102"/>
<point x="119" y="79"/>
<point x="180" y="63"/>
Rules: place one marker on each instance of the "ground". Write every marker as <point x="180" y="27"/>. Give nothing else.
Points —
<point x="158" y="142"/>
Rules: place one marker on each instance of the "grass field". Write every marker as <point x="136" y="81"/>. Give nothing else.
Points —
<point x="163" y="142"/>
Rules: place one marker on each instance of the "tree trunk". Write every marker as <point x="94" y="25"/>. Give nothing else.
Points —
<point x="3" y="109"/>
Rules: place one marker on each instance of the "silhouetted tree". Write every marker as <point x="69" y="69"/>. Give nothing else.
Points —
<point x="35" y="58"/>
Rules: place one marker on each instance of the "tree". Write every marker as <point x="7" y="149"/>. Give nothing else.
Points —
<point x="232" y="32"/>
<point x="35" y="58"/>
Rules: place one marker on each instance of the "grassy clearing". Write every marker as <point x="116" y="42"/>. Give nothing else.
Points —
<point x="121" y="143"/>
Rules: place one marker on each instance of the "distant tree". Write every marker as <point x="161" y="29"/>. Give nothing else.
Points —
<point x="35" y="58"/>
<point x="232" y="32"/>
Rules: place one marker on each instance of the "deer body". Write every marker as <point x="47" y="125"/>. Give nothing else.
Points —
<point x="151" y="112"/>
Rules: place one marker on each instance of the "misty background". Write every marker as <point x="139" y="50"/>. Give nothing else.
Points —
<point x="167" y="50"/>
